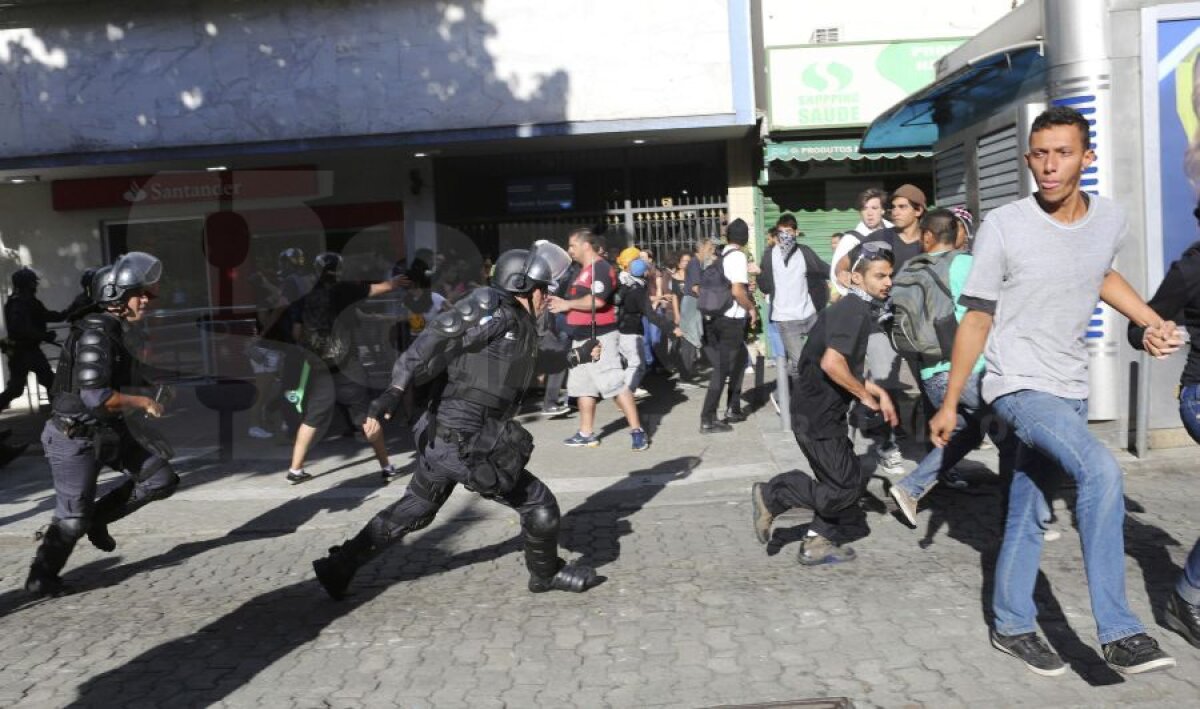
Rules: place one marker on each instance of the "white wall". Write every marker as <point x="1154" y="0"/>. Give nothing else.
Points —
<point x="125" y="75"/>
<point x="788" y="22"/>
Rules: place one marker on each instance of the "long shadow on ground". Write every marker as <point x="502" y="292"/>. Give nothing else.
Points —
<point x="207" y="666"/>
<point x="594" y="528"/>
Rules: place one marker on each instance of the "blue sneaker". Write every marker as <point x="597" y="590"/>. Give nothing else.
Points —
<point x="580" y="440"/>
<point x="639" y="440"/>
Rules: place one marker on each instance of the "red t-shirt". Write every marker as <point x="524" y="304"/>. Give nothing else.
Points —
<point x="600" y="280"/>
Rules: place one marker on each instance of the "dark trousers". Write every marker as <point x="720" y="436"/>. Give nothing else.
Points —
<point x="726" y="349"/>
<point x="832" y="496"/>
<point x="440" y="467"/>
<point x="21" y="362"/>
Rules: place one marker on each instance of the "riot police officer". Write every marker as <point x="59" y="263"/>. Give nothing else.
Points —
<point x="91" y="399"/>
<point x="488" y="342"/>
<point x="85" y="301"/>
<point x="26" y="318"/>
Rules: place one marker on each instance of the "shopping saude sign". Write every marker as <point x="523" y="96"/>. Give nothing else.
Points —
<point x="832" y="85"/>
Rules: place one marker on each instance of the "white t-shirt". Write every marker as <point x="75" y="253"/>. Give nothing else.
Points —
<point x="847" y="242"/>
<point x="737" y="271"/>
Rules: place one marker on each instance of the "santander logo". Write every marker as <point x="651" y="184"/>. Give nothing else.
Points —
<point x="135" y="193"/>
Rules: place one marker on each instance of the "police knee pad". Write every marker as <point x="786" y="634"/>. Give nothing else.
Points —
<point x="160" y="476"/>
<point x="72" y="528"/>
<point x="408" y="515"/>
<point x="541" y="521"/>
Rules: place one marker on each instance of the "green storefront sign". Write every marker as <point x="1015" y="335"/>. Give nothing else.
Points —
<point x="835" y="85"/>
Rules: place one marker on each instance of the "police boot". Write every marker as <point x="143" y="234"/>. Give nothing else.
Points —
<point x="335" y="571"/>
<point x="51" y="557"/>
<point x="575" y="578"/>
<point x="109" y="509"/>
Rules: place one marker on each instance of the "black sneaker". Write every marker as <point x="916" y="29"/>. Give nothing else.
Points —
<point x="715" y="427"/>
<point x="1184" y="618"/>
<point x="1031" y="650"/>
<point x="734" y="416"/>
<point x="1136" y="654"/>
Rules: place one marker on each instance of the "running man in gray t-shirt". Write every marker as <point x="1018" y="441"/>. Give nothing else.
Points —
<point x="1040" y="266"/>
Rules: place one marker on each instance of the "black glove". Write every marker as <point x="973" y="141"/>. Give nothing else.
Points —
<point x="582" y="354"/>
<point x="386" y="405"/>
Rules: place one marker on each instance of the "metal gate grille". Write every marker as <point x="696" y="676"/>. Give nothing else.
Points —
<point x="671" y="224"/>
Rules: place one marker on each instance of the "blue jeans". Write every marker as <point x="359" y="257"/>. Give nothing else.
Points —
<point x="649" y="341"/>
<point x="967" y="435"/>
<point x="1053" y="432"/>
<point x="1189" y="410"/>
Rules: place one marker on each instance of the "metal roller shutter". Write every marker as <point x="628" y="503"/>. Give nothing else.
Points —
<point x="999" y="165"/>
<point x="950" y="178"/>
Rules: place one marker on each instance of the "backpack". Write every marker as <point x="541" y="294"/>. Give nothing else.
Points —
<point x="716" y="292"/>
<point x="321" y="333"/>
<point x="923" y="321"/>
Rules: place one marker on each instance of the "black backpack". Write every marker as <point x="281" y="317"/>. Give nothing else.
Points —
<point x="716" y="292"/>
<point x="321" y="332"/>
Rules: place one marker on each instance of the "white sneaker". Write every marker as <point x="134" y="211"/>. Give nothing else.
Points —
<point x="259" y="432"/>
<point x="892" y="462"/>
<point x="640" y="394"/>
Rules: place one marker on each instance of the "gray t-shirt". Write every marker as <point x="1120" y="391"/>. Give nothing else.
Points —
<point x="1045" y="278"/>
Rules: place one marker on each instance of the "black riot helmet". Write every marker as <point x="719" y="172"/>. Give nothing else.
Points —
<point x="291" y="260"/>
<point x="99" y="278"/>
<point x="85" y="280"/>
<point x="25" y="279"/>
<point x="327" y="265"/>
<point x="133" y="273"/>
<point x="522" y="270"/>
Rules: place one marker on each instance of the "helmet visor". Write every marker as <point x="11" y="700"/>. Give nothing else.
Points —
<point x="552" y="256"/>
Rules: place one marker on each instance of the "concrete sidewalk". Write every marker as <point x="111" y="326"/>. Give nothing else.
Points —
<point x="209" y="599"/>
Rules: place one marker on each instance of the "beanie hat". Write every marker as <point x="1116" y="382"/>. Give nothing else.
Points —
<point x="912" y="193"/>
<point x="637" y="268"/>
<point x="737" y="232"/>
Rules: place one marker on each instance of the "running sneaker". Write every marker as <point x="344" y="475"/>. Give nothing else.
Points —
<point x="906" y="502"/>
<point x="556" y="410"/>
<point x="817" y="550"/>
<point x="581" y="441"/>
<point x="389" y="473"/>
<point x="891" y="461"/>
<point x="1184" y="618"/>
<point x="640" y="394"/>
<point x="260" y="432"/>
<point x="640" y="442"/>
<point x="296" y="477"/>
<point x="1032" y="650"/>
<point x="1136" y="654"/>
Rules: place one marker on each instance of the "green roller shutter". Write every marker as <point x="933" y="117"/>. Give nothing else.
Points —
<point x="817" y="225"/>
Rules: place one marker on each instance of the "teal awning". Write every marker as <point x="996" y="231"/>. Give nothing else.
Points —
<point x="833" y="149"/>
<point x="961" y="99"/>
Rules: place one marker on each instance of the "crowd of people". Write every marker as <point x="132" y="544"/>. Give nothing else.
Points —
<point x="977" y="324"/>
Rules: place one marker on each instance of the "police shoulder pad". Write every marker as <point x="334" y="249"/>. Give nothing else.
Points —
<point x="449" y="323"/>
<point x="106" y="322"/>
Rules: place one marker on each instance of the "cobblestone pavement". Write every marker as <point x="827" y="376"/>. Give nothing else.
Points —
<point x="209" y="599"/>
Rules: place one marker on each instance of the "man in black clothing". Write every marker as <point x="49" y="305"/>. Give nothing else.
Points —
<point x="85" y="302"/>
<point x="830" y="379"/>
<point x="725" y="336"/>
<point x="324" y="327"/>
<point x="26" y="318"/>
